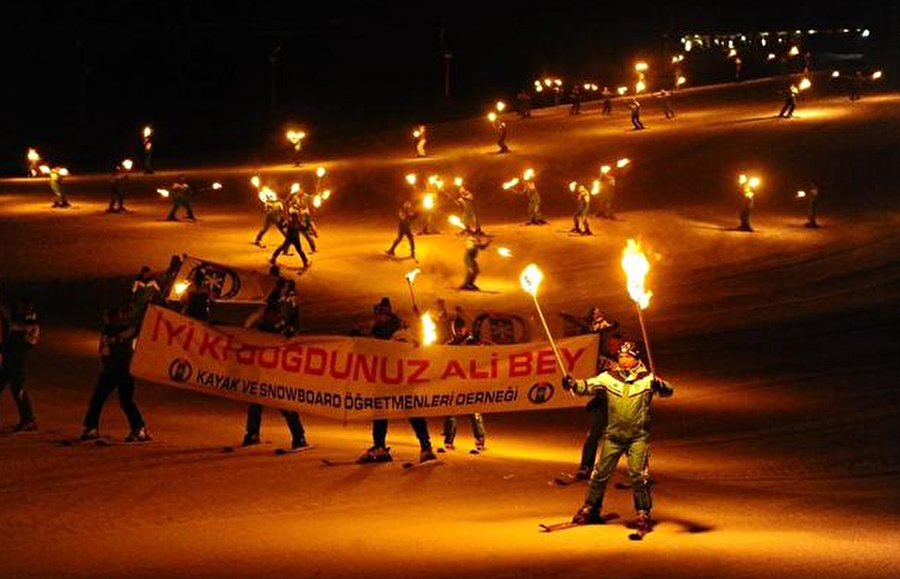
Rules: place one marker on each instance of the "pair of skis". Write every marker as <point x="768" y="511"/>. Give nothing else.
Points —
<point x="104" y="441"/>
<point x="408" y="465"/>
<point x="281" y="451"/>
<point x="638" y="533"/>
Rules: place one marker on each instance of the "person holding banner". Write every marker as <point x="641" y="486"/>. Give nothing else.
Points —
<point x="273" y="323"/>
<point x="116" y="349"/>
<point x="387" y="323"/>
<point x="462" y="337"/>
<point x="629" y="389"/>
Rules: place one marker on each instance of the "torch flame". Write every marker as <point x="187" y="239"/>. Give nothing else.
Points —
<point x="216" y="186"/>
<point x="622" y="90"/>
<point x="317" y="201"/>
<point x="572" y="186"/>
<point x="181" y="287"/>
<point x="510" y="184"/>
<point x="411" y="178"/>
<point x="640" y="66"/>
<point x="770" y="56"/>
<point x="501" y="106"/>
<point x="163" y="192"/>
<point x="458" y="182"/>
<point x="492" y="116"/>
<point x="636" y="267"/>
<point x="44" y="169"/>
<point x="148" y="132"/>
<point x="504" y="252"/>
<point x="326" y="194"/>
<point x="835" y="74"/>
<point x="295" y="187"/>
<point x="456" y="221"/>
<point x="531" y="278"/>
<point x="604" y="169"/>
<point x="876" y="75"/>
<point x="33" y="156"/>
<point x="127" y="164"/>
<point x="805" y="84"/>
<point x="801" y="194"/>
<point x="429" y="330"/>
<point x="681" y="80"/>
<point x="255" y="181"/>
<point x="595" y="188"/>
<point x="528" y="175"/>
<point x="794" y="51"/>
<point x="428" y="201"/>
<point x="411" y="276"/>
<point x="640" y="86"/>
<point x="320" y="172"/>
<point x="624" y="162"/>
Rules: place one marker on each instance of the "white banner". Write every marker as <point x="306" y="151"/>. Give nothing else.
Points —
<point x="227" y="284"/>
<point x="356" y="378"/>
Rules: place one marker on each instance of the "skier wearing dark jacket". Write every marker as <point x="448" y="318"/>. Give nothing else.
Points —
<point x="116" y="349"/>
<point x="21" y="333"/>
<point x="629" y="389"/>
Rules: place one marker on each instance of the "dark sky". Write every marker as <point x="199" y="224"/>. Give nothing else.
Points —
<point x="102" y="68"/>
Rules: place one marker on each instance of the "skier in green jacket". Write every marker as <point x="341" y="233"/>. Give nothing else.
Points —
<point x="629" y="389"/>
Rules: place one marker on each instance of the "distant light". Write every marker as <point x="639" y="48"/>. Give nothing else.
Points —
<point x="680" y="81"/>
<point x="640" y="66"/>
<point x="688" y="46"/>
<point x="216" y="186"/>
<point x="501" y="106"/>
<point x="805" y="84"/>
<point x="528" y="175"/>
<point x="794" y="51"/>
<point x="835" y="73"/>
<point x="865" y="33"/>
<point x="254" y="180"/>
<point x="771" y="56"/>
<point x="876" y="75"/>
<point x="411" y="178"/>
<point x="127" y="164"/>
<point x="622" y="90"/>
<point x="320" y="172"/>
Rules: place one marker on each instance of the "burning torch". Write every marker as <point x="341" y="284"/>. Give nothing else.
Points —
<point x="147" y="139"/>
<point x="531" y="278"/>
<point x="34" y="160"/>
<point x="636" y="267"/>
<point x="295" y="138"/>
<point x="410" y="278"/>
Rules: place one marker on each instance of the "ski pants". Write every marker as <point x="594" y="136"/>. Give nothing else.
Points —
<point x="450" y="424"/>
<point x="116" y="199"/>
<point x="581" y="218"/>
<point x="292" y="238"/>
<point x="534" y="209"/>
<point x="108" y="381"/>
<point x="271" y="221"/>
<point x="13" y="372"/>
<point x="181" y="202"/>
<point x="420" y="426"/>
<point x="292" y="418"/>
<point x="636" y="120"/>
<point x="472" y="271"/>
<point x="787" y="110"/>
<point x="636" y="451"/>
<point x="404" y="230"/>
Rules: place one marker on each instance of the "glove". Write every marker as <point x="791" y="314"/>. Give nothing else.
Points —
<point x="568" y="383"/>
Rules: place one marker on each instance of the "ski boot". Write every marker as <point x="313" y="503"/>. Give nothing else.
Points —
<point x="643" y="524"/>
<point x="587" y="515"/>
<point x="138" y="435"/>
<point x="26" y="426"/>
<point x="250" y="439"/>
<point x="583" y="473"/>
<point x="377" y="454"/>
<point x="90" y="434"/>
<point x="427" y="454"/>
<point x="480" y="444"/>
<point x="299" y="442"/>
<point x="448" y="445"/>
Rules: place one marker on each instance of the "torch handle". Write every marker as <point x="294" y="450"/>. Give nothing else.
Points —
<point x="559" y="362"/>
<point x="646" y="340"/>
<point x="412" y="295"/>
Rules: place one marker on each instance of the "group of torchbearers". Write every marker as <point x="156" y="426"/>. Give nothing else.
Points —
<point x="749" y="185"/>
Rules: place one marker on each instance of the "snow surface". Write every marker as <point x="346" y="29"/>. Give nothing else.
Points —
<point x="777" y="457"/>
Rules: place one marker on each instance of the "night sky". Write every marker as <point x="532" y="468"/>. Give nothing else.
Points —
<point x="87" y="75"/>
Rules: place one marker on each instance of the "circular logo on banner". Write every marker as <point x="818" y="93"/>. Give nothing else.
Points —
<point x="223" y="283"/>
<point x="180" y="370"/>
<point x="540" y="393"/>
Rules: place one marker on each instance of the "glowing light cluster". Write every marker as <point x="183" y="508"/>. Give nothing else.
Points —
<point x="636" y="267"/>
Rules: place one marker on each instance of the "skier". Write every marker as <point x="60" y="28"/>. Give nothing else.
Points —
<point x="273" y="323"/>
<point x="117" y="197"/>
<point x="629" y="388"/>
<point x="534" y="204"/>
<point x="147" y="138"/>
<point x="404" y="229"/>
<point x="304" y="204"/>
<point x="747" y="202"/>
<point x="500" y="130"/>
<point x="475" y="242"/>
<point x="582" y="209"/>
<point x="607" y="196"/>
<point x="666" y="96"/>
<point x="790" y="101"/>
<point x="116" y="349"/>
<point x="607" y="101"/>
<point x="596" y="323"/>
<point x="34" y="162"/>
<point x="292" y="229"/>
<point x="387" y="323"/>
<point x="575" y="97"/>
<point x="56" y="177"/>
<point x="812" y="205"/>
<point x="524" y="101"/>
<point x="466" y="200"/>
<point x="144" y="290"/>
<point x="274" y="212"/>
<point x="21" y="334"/>
<point x="635" y="107"/>
<point x="421" y="140"/>
<point x="181" y="197"/>
<point x="462" y="337"/>
<point x="856" y="86"/>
